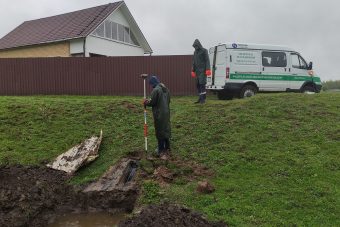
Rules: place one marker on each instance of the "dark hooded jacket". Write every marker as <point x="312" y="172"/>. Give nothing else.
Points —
<point x="201" y="62"/>
<point x="160" y="100"/>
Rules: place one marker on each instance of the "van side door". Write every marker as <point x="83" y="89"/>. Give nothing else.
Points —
<point x="275" y="71"/>
<point x="299" y="72"/>
<point x="245" y="66"/>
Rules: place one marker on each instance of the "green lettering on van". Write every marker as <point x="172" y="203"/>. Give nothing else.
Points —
<point x="274" y="77"/>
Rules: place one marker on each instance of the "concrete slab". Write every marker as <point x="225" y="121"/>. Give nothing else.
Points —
<point x="117" y="177"/>
<point x="77" y="156"/>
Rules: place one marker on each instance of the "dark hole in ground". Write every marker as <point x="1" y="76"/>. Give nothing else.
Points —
<point x="132" y="169"/>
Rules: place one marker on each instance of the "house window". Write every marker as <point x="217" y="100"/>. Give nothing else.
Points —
<point x="127" y="35"/>
<point x="120" y="32"/>
<point x="108" y="29"/>
<point x="114" y="31"/>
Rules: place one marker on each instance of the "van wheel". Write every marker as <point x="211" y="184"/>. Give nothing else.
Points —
<point x="223" y="95"/>
<point x="308" y="89"/>
<point x="248" y="91"/>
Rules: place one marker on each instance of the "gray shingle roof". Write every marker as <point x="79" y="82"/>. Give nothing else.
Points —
<point x="72" y="25"/>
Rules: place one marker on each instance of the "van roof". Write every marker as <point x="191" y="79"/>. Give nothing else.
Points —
<point x="256" y="46"/>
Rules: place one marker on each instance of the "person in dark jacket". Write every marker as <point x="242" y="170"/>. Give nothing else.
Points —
<point x="160" y="101"/>
<point x="200" y="70"/>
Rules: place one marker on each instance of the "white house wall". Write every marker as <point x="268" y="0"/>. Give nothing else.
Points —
<point x="118" y="17"/>
<point x="106" y="47"/>
<point x="102" y="46"/>
<point x="77" y="46"/>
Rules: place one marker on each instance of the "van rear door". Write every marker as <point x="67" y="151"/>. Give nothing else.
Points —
<point x="218" y="58"/>
<point x="212" y="57"/>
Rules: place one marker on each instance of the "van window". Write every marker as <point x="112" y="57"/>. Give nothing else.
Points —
<point x="274" y="59"/>
<point x="298" y="62"/>
<point x="221" y="48"/>
<point x="221" y="56"/>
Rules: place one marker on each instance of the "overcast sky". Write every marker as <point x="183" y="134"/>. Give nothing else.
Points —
<point x="312" y="27"/>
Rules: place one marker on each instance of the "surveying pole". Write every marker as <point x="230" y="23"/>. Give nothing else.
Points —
<point x="144" y="76"/>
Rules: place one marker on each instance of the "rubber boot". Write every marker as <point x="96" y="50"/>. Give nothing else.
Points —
<point x="203" y="99"/>
<point x="198" y="100"/>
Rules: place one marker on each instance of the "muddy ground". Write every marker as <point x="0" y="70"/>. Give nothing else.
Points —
<point x="168" y="216"/>
<point x="31" y="196"/>
<point x="34" y="196"/>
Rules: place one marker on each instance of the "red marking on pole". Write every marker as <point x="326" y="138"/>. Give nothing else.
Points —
<point x="145" y="130"/>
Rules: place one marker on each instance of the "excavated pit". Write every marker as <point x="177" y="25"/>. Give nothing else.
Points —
<point x="36" y="196"/>
<point x="40" y="196"/>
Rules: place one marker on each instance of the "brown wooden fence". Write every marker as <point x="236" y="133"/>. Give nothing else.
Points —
<point x="93" y="76"/>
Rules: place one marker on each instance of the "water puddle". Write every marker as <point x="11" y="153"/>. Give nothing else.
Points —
<point x="101" y="219"/>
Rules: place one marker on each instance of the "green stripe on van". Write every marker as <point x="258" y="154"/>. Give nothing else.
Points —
<point x="273" y="77"/>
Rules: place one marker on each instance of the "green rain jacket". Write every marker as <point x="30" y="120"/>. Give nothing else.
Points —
<point x="160" y="100"/>
<point x="201" y="62"/>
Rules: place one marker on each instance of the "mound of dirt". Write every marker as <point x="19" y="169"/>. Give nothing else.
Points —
<point x="205" y="187"/>
<point x="166" y="171"/>
<point x="28" y="192"/>
<point x="167" y="216"/>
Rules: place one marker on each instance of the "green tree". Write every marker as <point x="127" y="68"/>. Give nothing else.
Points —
<point x="331" y="84"/>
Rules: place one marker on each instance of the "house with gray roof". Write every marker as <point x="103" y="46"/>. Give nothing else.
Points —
<point x="107" y="30"/>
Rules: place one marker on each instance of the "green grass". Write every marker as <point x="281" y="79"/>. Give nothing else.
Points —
<point x="276" y="157"/>
<point x="37" y="129"/>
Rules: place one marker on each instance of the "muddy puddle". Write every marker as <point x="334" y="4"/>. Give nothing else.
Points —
<point x="168" y="215"/>
<point x="98" y="219"/>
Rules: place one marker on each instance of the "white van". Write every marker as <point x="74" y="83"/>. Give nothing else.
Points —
<point x="242" y="70"/>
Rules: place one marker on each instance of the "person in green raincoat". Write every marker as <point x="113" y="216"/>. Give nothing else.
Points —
<point x="160" y="101"/>
<point x="200" y="70"/>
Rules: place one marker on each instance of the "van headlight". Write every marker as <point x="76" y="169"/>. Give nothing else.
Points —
<point x="311" y="72"/>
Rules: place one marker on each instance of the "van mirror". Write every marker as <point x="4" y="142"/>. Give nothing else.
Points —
<point x="310" y="66"/>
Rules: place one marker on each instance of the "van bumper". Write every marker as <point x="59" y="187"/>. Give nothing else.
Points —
<point x="233" y="87"/>
<point x="228" y="88"/>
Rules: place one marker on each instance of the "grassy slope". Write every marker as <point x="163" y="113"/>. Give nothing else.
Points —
<point x="276" y="157"/>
